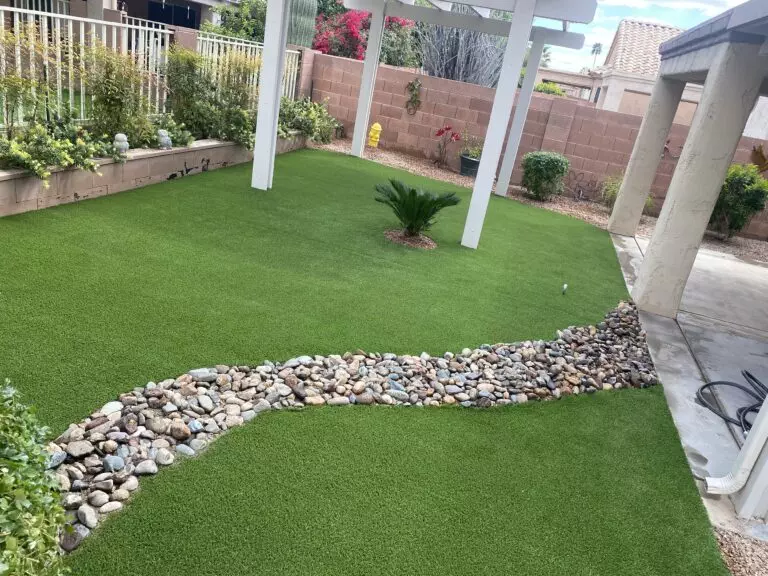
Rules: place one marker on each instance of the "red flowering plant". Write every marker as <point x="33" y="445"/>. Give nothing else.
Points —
<point x="346" y="34"/>
<point x="446" y="136"/>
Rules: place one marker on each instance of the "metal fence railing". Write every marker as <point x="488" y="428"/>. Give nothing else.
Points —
<point x="214" y="48"/>
<point x="54" y="51"/>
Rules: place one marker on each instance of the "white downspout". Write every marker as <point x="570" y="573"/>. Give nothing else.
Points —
<point x="737" y="478"/>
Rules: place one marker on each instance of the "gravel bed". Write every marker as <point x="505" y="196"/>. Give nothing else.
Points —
<point x="591" y="212"/>
<point x="744" y="556"/>
<point x="99" y="461"/>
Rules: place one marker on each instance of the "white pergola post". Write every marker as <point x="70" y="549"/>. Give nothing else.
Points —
<point x="518" y="120"/>
<point x="730" y="92"/>
<point x="646" y="156"/>
<point x="270" y="89"/>
<point x="370" y="66"/>
<point x="517" y="42"/>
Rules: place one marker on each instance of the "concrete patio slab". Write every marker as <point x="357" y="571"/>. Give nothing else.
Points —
<point x="721" y="329"/>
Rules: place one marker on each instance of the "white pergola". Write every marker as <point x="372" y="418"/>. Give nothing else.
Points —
<point x="519" y="31"/>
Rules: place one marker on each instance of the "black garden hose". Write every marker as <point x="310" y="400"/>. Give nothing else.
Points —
<point x="754" y="388"/>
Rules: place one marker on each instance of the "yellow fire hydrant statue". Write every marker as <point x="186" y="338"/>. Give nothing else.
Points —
<point x="374" y="134"/>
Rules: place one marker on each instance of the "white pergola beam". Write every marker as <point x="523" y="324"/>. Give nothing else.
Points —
<point x="518" y="121"/>
<point x="441" y="5"/>
<point x="572" y="10"/>
<point x="368" y="81"/>
<point x="271" y="75"/>
<point x="482" y="12"/>
<point x="517" y="42"/>
<point x="403" y="9"/>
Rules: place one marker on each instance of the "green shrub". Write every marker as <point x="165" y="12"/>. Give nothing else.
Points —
<point x="415" y="208"/>
<point x="30" y="513"/>
<point x="609" y="191"/>
<point x="543" y="173"/>
<point x="549" y="88"/>
<point x="178" y="132"/>
<point x="191" y="93"/>
<point x="742" y="196"/>
<point x="113" y="81"/>
<point x="309" y="118"/>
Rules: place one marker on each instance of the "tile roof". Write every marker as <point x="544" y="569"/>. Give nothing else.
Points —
<point x="635" y="47"/>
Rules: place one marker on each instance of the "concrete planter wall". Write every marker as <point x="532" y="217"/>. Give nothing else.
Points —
<point x="22" y="192"/>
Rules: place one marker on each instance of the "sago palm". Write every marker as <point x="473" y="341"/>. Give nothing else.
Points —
<point x="415" y="208"/>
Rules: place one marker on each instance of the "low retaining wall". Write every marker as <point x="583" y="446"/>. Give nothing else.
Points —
<point x="22" y="192"/>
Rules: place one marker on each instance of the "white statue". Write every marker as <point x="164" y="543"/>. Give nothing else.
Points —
<point x="121" y="143"/>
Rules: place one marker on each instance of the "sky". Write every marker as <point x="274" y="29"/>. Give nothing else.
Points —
<point x="682" y="13"/>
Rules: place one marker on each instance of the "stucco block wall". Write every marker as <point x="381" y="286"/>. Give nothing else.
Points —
<point x="598" y="143"/>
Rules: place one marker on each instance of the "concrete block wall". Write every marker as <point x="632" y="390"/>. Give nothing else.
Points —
<point x="598" y="143"/>
<point x="22" y="192"/>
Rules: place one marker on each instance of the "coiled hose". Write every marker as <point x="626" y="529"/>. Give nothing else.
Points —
<point x="754" y="389"/>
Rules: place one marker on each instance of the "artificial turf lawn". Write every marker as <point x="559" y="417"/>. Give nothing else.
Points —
<point x="586" y="486"/>
<point x="103" y="295"/>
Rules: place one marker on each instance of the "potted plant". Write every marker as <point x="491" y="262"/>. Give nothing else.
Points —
<point x="471" y="151"/>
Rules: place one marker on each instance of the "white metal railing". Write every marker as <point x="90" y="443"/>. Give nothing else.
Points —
<point x="53" y="48"/>
<point x="134" y="21"/>
<point x="214" y="48"/>
<point x="53" y="6"/>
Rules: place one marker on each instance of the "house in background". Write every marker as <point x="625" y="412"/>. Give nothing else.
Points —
<point x="624" y="82"/>
<point x="169" y="12"/>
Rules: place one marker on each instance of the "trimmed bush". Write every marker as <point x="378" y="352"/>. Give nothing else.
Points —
<point x="609" y="191"/>
<point x="742" y="196"/>
<point x="30" y="513"/>
<point x="415" y="208"/>
<point x="549" y="88"/>
<point x="543" y="174"/>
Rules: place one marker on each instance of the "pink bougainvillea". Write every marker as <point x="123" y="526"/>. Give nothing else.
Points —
<point x="346" y="34"/>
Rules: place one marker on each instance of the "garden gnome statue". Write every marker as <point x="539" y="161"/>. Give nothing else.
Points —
<point x="121" y="143"/>
<point x="164" y="140"/>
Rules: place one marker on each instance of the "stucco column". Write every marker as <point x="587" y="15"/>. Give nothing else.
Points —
<point x="730" y="93"/>
<point x="646" y="156"/>
<point x="518" y="120"/>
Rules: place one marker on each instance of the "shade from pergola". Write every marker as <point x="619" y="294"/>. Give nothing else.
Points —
<point x="518" y="30"/>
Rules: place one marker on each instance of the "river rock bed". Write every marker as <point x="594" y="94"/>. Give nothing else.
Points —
<point x="100" y="460"/>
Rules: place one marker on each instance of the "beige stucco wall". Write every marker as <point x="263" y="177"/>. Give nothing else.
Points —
<point x="637" y="103"/>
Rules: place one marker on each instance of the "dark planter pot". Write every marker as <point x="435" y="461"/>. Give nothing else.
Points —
<point x="469" y="165"/>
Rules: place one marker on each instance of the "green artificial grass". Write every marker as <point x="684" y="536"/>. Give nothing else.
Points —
<point x="586" y="486"/>
<point x="103" y="295"/>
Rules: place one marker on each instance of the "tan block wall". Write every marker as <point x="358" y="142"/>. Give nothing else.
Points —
<point x="20" y="192"/>
<point x="598" y="143"/>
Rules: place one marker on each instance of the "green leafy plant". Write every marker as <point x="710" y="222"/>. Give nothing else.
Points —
<point x="413" y="88"/>
<point x="742" y="196"/>
<point x="192" y="93"/>
<point x="30" y="513"/>
<point x="415" y="208"/>
<point x="37" y="150"/>
<point x="179" y="134"/>
<point x="471" y="146"/>
<point x="309" y="118"/>
<point x="549" y="88"/>
<point x="609" y="191"/>
<point x="244" y="19"/>
<point x="543" y="174"/>
<point x="118" y="105"/>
